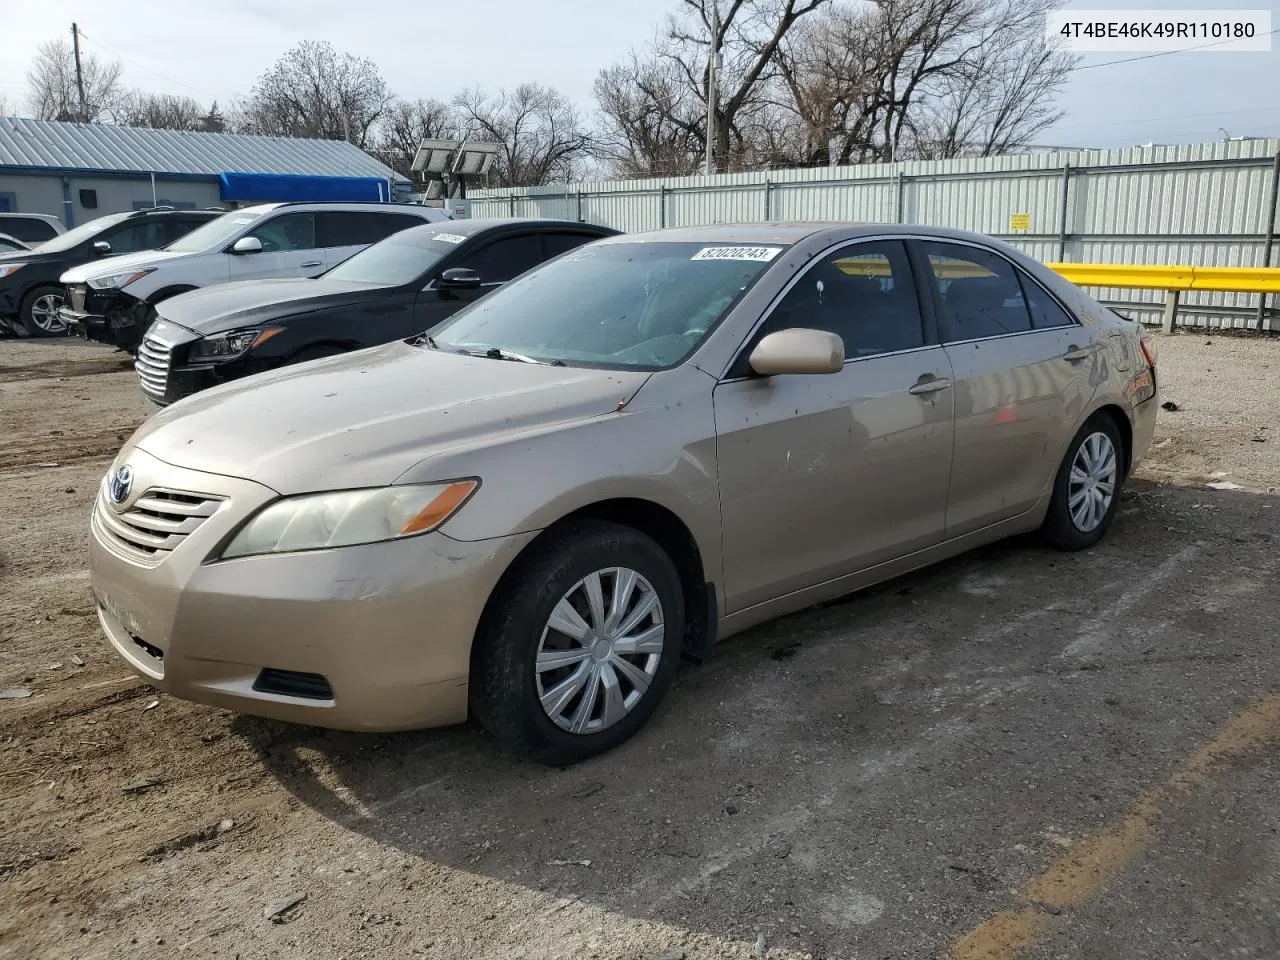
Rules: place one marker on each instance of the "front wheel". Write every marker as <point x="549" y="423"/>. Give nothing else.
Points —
<point x="38" y="313"/>
<point x="579" y="643"/>
<point x="1086" y="490"/>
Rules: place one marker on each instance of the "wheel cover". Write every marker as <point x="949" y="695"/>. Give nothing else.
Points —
<point x="1092" y="483"/>
<point x="600" y="650"/>
<point x="44" y="313"/>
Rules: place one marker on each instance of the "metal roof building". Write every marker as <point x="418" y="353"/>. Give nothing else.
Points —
<point x="79" y="171"/>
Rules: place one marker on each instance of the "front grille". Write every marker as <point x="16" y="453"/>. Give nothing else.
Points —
<point x="154" y="652"/>
<point x="156" y="524"/>
<point x="291" y="683"/>
<point x="152" y="365"/>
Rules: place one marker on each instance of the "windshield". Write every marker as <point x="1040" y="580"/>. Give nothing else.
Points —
<point x="398" y="259"/>
<point x="641" y="306"/>
<point x="214" y="233"/>
<point x="77" y="236"/>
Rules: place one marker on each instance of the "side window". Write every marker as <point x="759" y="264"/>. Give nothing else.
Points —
<point x="558" y="243"/>
<point x="864" y="293"/>
<point x="338" y="228"/>
<point x="503" y="259"/>
<point x="174" y="228"/>
<point x="1045" y="311"/>
<point x="290" y="231"/>
<point x="980" y="293"/>
<point x="28" y="229"/>
<point x="132" y="237"/>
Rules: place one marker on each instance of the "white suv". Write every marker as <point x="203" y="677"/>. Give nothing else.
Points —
<point x="114" y="300"/>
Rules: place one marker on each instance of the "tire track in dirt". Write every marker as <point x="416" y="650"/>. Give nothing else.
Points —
<point x="23" y="453"/>
<point x="64" y="369"/>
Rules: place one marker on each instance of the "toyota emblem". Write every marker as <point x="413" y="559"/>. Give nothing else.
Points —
<point x="121" y="484"/>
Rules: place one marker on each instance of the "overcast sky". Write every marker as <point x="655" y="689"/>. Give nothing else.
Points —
<point x="217" y="50"/>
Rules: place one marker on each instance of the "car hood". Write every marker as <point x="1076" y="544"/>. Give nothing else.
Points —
<point x="364" y="418"/>
<point x="227" y="306"/>
<point x="125" y="261"/>
<point x="28" y="256"/>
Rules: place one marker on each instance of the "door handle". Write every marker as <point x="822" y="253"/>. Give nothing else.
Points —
<point x="312" y="263"/>
<point x="930" y="386"/>
<point x="1075" y="354"/>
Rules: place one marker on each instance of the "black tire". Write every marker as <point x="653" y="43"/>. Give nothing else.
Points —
<point x="1060" y="528"/>
<point x="317" y="352"/>
<point x="503" y="687"/>
<point x="26" y="325"/>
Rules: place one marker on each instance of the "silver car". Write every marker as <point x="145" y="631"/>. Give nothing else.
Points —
<point x="639" y="448"/>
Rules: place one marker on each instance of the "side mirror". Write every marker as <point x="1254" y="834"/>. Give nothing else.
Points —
<point x="247" y="245"/>
<point x="101" y="248"/>
<point x="459" y="278"/>
<point x="798" y="351"/>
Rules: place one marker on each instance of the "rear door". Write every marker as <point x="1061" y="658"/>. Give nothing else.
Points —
<point x="344" y="233"/>
<point x="497" y="261"/>
<point x="825" y="475"/>
<point x="1023" y="371"/>
<point x="289" y="249"/>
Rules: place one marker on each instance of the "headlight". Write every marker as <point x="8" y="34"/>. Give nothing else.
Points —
<point x="118" y="281"/>
<point x="230" y="344"/>
<point x="11" y="269"/>
<point x="347" y="517"/>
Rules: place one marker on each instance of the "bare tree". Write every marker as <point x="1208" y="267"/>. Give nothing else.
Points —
<point x="5" y="109"/>
<point x="923" y="78"/>
<point x="407" y="124"/>
<point x="52" y="91"/>
<point x="543" y="138"/>
<point x="161" y="111"/>
<point x="315" y="91"/>
<point x="650" y="122"/>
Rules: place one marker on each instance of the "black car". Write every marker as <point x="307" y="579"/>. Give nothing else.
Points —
<point x="30" y="293"/>
<point x="403" y="285"/>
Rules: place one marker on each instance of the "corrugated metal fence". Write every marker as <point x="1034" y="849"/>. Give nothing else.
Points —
<point x="1211" y="205"/>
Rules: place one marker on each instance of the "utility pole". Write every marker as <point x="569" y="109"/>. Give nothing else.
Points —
<point x="75" y="43"/>
<point x="713" y="55"/>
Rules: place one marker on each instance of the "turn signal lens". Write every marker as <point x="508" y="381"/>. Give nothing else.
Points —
<point x="441" y="508"/>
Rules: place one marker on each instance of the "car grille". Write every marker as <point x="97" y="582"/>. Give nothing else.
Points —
<point x="156" y="524"/>
<point x="152" y="365"/>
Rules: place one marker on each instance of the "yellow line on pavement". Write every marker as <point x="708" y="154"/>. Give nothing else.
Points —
<point x="1092" y="862"/>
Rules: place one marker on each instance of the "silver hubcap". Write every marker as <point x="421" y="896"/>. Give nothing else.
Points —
<point x="44" y="313"/>
<point x="1092" y="484"/>
<point x="600" y="650"/>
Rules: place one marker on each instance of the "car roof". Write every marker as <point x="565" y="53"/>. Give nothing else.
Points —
<point x="31" y="216"/>
<point x="470" y="228"/>
<point x="792" y="232"/>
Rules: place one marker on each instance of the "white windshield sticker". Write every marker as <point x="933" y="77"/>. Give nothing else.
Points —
<point x="243" y="220"/>
<point x="448" y="238"/>
<point x="756" y="254"/>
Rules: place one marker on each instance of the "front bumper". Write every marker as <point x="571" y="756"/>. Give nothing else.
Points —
<point x="387" y="626"/>
<point x="105" y="316"/>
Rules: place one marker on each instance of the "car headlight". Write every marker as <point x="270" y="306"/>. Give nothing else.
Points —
<point x="118" y="281"/>
<point x="344" y="518"/>
<point x="229" y="344"/>
<point x="11" y="269"/>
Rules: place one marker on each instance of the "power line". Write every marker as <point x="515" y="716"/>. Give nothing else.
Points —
<point x="1162" y="53"/>
<point x="134" y="63"/>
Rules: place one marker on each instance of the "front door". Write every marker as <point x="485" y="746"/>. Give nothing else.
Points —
<point x="289" y="249"/>
<point x="1023" y="377"/>
<point x="825" y="475"/>
<point x="497" y="262"/>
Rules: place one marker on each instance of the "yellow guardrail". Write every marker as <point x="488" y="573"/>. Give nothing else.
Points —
<point x="1227" y="279"/>
<point x="1174" y="279"/>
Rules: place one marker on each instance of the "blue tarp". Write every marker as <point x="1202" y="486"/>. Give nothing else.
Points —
<point x="282" y="187"/>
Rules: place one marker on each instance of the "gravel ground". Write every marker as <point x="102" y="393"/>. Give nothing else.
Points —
<point x="1019" y="752"/>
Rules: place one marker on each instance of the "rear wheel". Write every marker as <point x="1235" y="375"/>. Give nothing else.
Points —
<point x="38" y="313"/>
<point x="1086" y="490"/>
<point x="579" y="643"/>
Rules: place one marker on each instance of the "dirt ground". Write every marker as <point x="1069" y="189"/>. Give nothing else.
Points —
<point x="1018" y="753"/>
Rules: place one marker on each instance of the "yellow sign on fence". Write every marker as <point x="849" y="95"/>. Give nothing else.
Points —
<point x="1019" y="222"/>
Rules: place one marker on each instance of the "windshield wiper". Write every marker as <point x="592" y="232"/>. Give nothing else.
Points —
<point x="422" y="338"/>
<point x="494" y="353"/>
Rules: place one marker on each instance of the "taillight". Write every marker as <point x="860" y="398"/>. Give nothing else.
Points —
<point x="1149" y="350"/>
